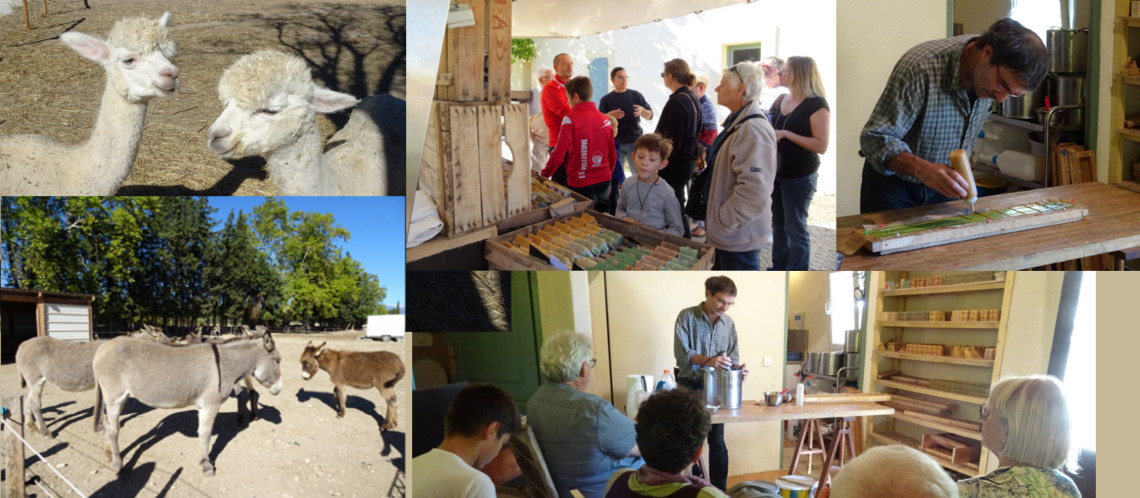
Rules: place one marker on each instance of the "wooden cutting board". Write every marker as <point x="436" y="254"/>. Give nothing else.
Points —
<point x="846" y="398"/>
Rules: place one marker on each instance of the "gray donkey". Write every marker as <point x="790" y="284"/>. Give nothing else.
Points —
<point x="166" y="377"/>
<point x="65" y="364"/>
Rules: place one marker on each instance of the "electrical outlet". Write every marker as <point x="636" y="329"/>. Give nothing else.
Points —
<point x="767" y="361"/>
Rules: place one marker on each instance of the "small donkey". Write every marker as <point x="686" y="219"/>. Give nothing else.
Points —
<point x="362" y="370"/>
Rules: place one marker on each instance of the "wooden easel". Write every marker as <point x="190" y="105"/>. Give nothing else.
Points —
<point x="810" y="433"/>
<point x="841" y="437"/>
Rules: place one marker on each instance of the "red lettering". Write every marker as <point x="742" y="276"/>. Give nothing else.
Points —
<point x="500" y="23"/>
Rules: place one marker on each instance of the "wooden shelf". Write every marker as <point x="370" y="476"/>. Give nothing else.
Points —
<point x="940" y="325"/>
<point x="944" y="289"/>
<point x="941" y="427"/>
<point x="1129" y="80"/>
<point x="889" y="438"/>
<point x="1132" y="22"/>
<point x="977" y="400"/>
<point x="1129" y="134"/>
<point x="1019" y="123"/>
<point x="935" y="359"/>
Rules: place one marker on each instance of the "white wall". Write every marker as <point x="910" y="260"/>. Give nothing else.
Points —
<point x="784" y="29"/>
<point x="642" y="308"/>
<point x="871" y="38"/>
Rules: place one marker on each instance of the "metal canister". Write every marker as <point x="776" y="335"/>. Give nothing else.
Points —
<point x="711" y="386"/>
<point x="731" y="388"/>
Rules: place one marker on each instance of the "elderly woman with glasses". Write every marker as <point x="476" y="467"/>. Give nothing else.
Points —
<point x="583" y="438"/>
<point x="1025" y="423"/>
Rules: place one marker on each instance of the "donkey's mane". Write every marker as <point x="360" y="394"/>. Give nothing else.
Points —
<point x="240" y="338"/>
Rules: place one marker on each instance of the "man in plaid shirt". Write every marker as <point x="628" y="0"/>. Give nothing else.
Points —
<point x="938" y="95"/>
<point x="706" y="337"/>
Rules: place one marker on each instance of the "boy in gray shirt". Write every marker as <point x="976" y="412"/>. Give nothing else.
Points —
<point x="647" y="199"/>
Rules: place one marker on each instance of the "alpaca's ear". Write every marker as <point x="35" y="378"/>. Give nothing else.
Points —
<point x="325" y="101"/>
<point x="87" y="46"/>
<point x="164" y="20"/>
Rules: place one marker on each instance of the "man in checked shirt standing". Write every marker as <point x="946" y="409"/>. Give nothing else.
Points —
<point x="938" y="95"/>
<point x="706" y="337"/>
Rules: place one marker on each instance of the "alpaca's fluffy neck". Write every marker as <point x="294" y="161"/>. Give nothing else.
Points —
<point x="296" y="169"/>
<point x="115" y="139"/>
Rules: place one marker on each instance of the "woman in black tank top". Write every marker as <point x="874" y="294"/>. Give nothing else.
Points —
<point x="801" y="120"/>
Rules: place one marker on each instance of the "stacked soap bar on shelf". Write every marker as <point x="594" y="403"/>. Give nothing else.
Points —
<point x="545" y="192"/>
<point x="923" y="349"/>
<point x="580" y="242"/>
<point x="991" y="315"/>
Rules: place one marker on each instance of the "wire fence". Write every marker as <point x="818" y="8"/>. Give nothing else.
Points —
<point x="41" y="457"/>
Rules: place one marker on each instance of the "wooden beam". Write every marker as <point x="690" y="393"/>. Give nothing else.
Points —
<point x="13" y="448"/>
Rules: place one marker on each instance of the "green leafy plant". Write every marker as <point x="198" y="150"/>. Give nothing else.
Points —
<point x="523" y="50"/>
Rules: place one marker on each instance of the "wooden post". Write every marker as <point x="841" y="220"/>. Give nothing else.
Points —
<point x="45" y="8"/>
<point x="13" y="448"/>
<point x="27" y="23"/>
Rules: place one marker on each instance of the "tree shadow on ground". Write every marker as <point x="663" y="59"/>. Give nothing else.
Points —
<point x="346" y="46"/>
<point x="350" y="402"/>
<point x="243" y="169"/>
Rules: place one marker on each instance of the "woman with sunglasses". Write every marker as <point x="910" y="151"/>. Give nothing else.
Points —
<point x="1025" y="423"/>
<point x="802" y="123"/>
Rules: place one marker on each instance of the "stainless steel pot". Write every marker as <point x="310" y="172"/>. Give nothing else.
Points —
<point x="851" y="361"/>
<point x="1066" y="117"/>
<point x="1068" y="50"/>
<point x="1022" y="107"/>
<point x="723" y="387"/>
<point x="812" y="363"/>
<point x="1066" y="89"/>
<point x="830" y="362"/>
<point x="851" y="341"/>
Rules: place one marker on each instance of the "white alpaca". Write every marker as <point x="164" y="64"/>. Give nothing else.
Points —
<point x="270" y="110"/>
<point x="135" y="57"/>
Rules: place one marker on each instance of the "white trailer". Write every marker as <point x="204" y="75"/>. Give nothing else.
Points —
<point x="384" y="327"/>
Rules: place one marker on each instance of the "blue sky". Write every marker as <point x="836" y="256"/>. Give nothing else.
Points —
<point x="376" y="225"/>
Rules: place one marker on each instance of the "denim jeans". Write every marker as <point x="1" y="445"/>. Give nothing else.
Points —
<point x="718" y="451"/>
<point x="625" y="158"/>
<point x="678" y="175"/>
<point x="599" y="193"/>
<point x="791" y="245"/>
<point x="731" y="261"/>
<point x="882" y="193"/>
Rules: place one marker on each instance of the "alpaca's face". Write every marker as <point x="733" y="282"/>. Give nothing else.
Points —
<point x="270" y="102"/>
<point x="135" y="55"/>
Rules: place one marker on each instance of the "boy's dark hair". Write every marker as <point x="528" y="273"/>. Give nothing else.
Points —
<point x="653" y="142"/>
<point x="1017" y="48"/>
<point x="476" y="407"/>
<point x="580" y="86"/>
<point x="716" y="285"/>
<point x="613" y="73"/>
<point x="671" y="426"/>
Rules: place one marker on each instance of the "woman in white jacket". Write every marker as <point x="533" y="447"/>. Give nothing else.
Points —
<point x="743" y="158"/>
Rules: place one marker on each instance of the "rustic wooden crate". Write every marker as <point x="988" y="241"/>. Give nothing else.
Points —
<point x="462" y="165"/>
<point x="500" y="257"/>
<point x="575" y="204"/>
<point x="475" y="64"/>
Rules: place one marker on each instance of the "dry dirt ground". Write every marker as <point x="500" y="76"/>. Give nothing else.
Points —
<point x="46" y="88"/>
<point x="297" y="448"/>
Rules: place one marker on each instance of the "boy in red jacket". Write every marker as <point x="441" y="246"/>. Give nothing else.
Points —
<point x="586" y="145"/>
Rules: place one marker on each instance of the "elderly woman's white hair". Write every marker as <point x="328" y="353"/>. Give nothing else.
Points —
<point x="543" y="72"/>
<point x="893" y="471"/>
<point x="562" y="356"/>
<point x="1037" y="414"/>
<point x="748" y="74"/>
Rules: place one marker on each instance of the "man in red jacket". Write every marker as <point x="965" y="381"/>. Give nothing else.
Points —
<point x="555" y="106"/>
<point x="585" y="146"/>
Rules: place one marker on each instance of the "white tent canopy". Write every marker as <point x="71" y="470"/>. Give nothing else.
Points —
<point x="575" y="18"/>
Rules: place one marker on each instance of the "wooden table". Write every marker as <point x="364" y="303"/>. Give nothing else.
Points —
<point x="749" y="411"/>
<point x="1113" y="223"/>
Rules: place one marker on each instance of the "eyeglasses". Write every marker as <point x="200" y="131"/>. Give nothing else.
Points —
<point x="593" y="361"/>
<point x="1002" y="86"/>
<point x="662" y="74"/>
<point x="984" y="410"/>
<point x="726" y="304"/>
<point x="736" y="72"/>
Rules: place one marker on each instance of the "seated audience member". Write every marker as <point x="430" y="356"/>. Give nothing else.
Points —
<point x="671" y="426"/>
<point x="478" y="423"/>
<point x="583" y="438"/>
<point x="1025" y="423"/>
<point x="891" y="472"/>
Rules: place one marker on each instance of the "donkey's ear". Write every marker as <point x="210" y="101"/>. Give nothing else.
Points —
<point x="164" y="20"/>
<point x="268" y="341"/>
<point x="88" y="46"/>
<point x="320" y="349"/>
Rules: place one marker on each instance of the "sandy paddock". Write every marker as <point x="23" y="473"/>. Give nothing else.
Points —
<point x="298" y="448"/>
<point x="46" y="88"/>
